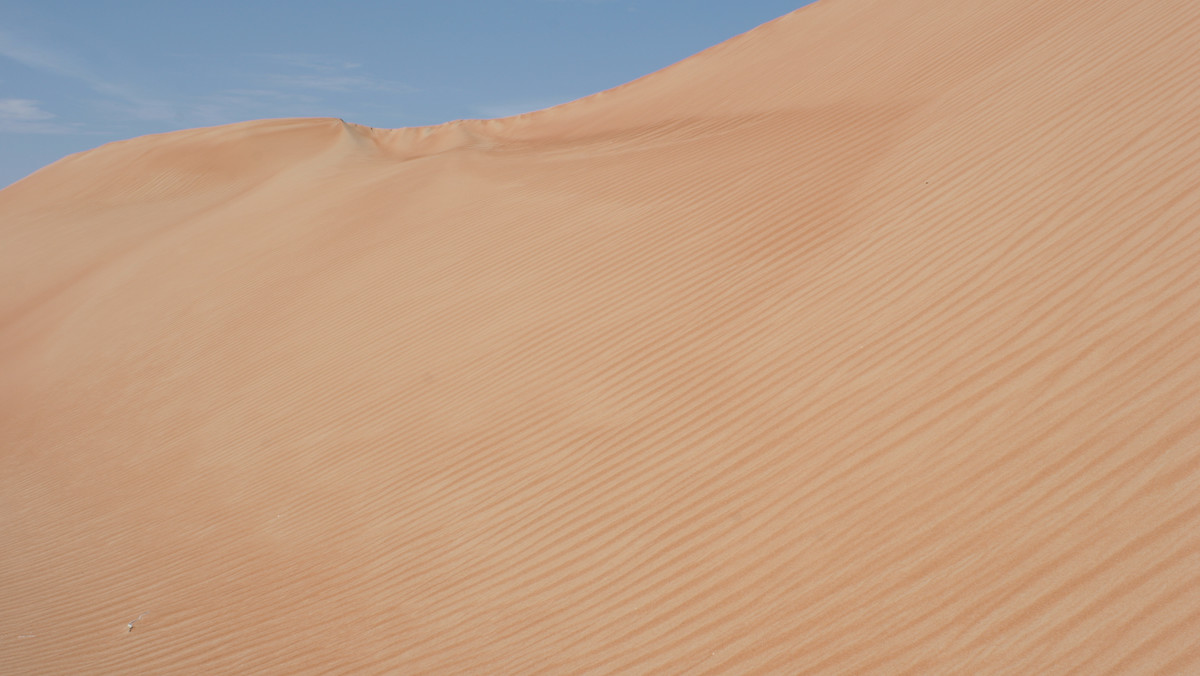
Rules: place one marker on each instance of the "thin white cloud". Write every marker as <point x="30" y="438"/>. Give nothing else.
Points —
<point x="37" y="57"/>
<point x="338" y="83"/>
<point x="22" y="110"/>
<point x="26" y="116"/>
<point x="282" y="85"/>
<point x="124" y="99"/>
<point x="325" y="73"/>
<point x="317" y="62"/>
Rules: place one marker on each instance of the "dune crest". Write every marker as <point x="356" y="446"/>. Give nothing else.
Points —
<point x="865" y="342"/>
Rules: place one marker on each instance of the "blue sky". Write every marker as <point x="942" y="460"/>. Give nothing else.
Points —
<point x="76" y="74"/>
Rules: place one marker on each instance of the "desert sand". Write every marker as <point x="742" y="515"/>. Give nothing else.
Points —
<point x="865" y="342"/>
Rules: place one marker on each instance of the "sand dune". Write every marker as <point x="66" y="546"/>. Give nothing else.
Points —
<point x="865" y="342"/>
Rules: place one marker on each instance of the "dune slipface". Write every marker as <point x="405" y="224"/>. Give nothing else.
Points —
<point x="865" y="342"/>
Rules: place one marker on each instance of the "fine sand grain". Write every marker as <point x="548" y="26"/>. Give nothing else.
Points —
<point x="865" y="342"/>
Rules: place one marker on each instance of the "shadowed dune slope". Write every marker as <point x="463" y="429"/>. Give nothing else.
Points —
<point x="865" y="342"/>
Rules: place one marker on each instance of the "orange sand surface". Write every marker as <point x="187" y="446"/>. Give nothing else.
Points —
<point x="865" y="342"/>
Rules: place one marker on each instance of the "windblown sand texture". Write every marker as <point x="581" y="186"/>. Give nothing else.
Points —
<point x="865" y="342"/>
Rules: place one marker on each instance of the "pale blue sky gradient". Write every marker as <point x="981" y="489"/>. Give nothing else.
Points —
<point x="78" y="74"/>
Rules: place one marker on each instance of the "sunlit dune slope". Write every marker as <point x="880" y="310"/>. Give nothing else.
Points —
<point x="865" y="342"/>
